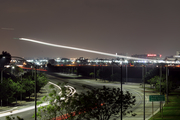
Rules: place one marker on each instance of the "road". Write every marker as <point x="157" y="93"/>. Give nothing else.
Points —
<point x="77" y="84"/>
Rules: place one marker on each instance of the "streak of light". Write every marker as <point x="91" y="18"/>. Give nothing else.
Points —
<point x="85" y="50"/>
<point x="10" y="112"/>
<point x="7" y="28"/>
<point x="73" y="91"/>
<point x="22" y="110"/>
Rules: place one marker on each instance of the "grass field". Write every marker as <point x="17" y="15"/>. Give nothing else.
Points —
<point x="171" y="111"/>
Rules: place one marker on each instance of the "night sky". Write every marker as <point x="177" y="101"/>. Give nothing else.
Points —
<point x="113" y="26"/>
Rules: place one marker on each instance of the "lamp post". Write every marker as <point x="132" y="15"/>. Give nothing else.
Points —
<point x="2" y="73"/>
<point x="94" y="72"/>
<point x="121" y="92"/>
<point x="21" y="85"/>
<point x="35" y="77"/>
<point x="21" y="91"/>
<point x="167" y="73"/>
<point x="126" y="73"/>
<point x="160" y="83"/>
<point x="144" y="93"/>
<point x="112" y="71"/>
<point x="32" y="70"/>
<point x="2" y="80"/>
<point x="143" y="82"/>
<point x="12" y="69"/>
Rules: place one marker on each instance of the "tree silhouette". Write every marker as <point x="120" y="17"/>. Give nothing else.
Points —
<point x="5" y="58"/>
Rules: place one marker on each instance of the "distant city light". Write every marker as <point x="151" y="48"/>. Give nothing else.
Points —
<point x="151" y="55"/>
<point x="177" y="56"/>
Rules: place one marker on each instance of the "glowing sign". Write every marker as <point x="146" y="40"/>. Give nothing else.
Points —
<point x="151" y="55"/>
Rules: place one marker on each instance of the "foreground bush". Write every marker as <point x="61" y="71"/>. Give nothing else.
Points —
<point x="98" y="104"/>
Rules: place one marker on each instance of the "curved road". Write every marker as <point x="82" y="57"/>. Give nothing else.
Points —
<point x="77" y="84"/>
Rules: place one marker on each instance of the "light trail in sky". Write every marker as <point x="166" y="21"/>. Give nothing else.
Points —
<point x="85" y="50"/>
<point x="7" y="28"/>
<point x="102" y="53"/>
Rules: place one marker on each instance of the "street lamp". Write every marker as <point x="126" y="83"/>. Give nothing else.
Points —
<point x="35" y="77"/>
<point x="167" y="74"/>
<point x="160" y="82"/>
<point x="112" y="71"/>
<point x="21" y="84"/>
<point x="2" y="73"/>
<point x="121" y="91"/>
<point x="32" y="70"/>
<point x="144" y="67"/>
<point x="12" y="69"/>
<point x="2" y="79"/>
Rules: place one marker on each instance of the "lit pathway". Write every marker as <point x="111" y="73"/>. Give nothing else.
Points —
<point x="14" y="111"/>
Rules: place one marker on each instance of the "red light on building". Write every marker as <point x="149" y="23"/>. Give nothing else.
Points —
<point x="160" y="55"/>
<point x="151" y="55"/>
